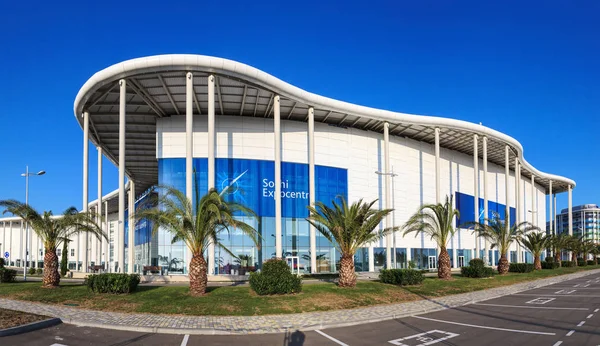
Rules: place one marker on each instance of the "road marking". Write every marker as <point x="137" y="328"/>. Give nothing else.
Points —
<point x="596" y="310"/>
<point x="485" y="327"/>
<point x="540" y="301"/>
<point x="590" y="315"/>
<point x="559" y="292"/>
<point x="585" y="285"/>
<point x="331" y="338"/>
<point x="531" y="307"/>
<point x="185" y="340"/>
<point x="556" y="295"/>
<point x="570" y="333"/>
<point x="581" y="323"/>
<point x="58" y="345"/>
<point x="576" y="285"/>
<point x="426" y="340"/>
<point x="557" y="343"/>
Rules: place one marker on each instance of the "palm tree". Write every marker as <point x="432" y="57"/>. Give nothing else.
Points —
<point x="53" y="231"/>
<point x="501" y="236"/>
<point x="535" y="242"/>
<point x="573" y="245"/>
<point x="197" y="225"/>
<point x="595" y="252"/>
<point x="436" y="221"/>
<point x="558" y="243"/>
<point x="349" y="228"/>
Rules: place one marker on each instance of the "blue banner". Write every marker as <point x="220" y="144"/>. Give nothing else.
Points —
<point x="466" y="204"/>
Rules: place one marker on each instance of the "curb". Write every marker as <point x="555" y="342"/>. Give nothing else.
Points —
<point x="30" y="327"/>
<point x="428" y="306"/>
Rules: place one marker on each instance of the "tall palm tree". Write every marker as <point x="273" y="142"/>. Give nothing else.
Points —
<point x="574" y="245"/>
<point x="437" y="222"/>
<point x="349" y="228"/>
<point x="535" y="242"/>
<point x="558" y="243"/>
<point x="197" y="225"/>
<point x="500" y="236"/>
<point x="53" y="231"/>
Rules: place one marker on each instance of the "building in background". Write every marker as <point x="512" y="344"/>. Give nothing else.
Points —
<point x="586" y="221"/>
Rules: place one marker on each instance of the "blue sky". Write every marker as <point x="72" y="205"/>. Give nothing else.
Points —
<point x="528" y="69"/>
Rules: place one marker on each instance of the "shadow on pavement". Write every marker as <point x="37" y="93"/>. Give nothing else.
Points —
<point x="294" y="339"/>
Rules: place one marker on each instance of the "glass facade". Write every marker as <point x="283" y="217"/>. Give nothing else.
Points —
<point x="251" y="183"/>
<point x="424" y="258"/>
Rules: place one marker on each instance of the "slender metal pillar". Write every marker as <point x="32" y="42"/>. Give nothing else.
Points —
<point x="189" y="135"/>
<point x="120" y="257"/>
<point x="552" y="229"/>
<point x="570" y="209"/>
<point x="99" y="206"/>
<point x="86" y="133"/>
<point x="507" y="190"/>
<point x="485" y="196"/>
<point x="131" y="233"/>
<point x="533" y="209"/>
<point x="388" y="203"/>
<point x="476" y="191"/>
<point x="311" y="187"/>
<point x="438" y="198"/>
<point x="518" y="217"/>
<point x="277" y="135"/>
<point x="211" y="160"/>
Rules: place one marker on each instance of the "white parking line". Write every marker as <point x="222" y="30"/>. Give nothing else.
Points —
<point x="556" y="295"/>
<point x="485" y="327"/>
<point x="557" y="343"/>
<point x="570" y="332"/>
<point x="185" y="340"/>
<point x="331" y="338"/>
<point x="596" y="310"/>
<point x="590" y="315"/>
<point x="531" y="307"/>
<point x="586" y="285"/>
<point x="581" y="323"/>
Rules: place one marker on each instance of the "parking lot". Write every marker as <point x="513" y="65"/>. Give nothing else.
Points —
<point x="567" y="313"/>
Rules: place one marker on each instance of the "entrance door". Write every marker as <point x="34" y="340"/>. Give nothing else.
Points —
<point x="461" y="261"/>
<point x="293" y="262"/>
<point x="432" y="263"/>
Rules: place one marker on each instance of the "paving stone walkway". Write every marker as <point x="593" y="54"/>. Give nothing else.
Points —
<point x="271" y="323"/>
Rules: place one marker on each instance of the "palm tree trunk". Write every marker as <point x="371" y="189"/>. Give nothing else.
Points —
<point x="198" y="275"/>
<point x="51" y="276"/>
<point x="444" y="271"/>
<point x="537" y="263"/>
<point x="503" y="264"/>
<point x="574" y="258"/>
<point x="347" y="274"/>
<point x="557" y="258"/>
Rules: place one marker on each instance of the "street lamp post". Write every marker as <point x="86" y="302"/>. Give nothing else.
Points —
<point x="26" y="175"/>
<point x="392" y="174"/>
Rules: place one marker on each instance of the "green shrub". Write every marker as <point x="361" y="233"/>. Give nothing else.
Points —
<point x="581" y="262"/>
<point x="112" y="283"/>
<point x="568" y="264"/>
<point x="549" y="265"/>
<point x="275" y="278"/>
<point x="402" y="277"/>
<point x="7" y="275"/>
<point x="39" y="271"/>
<point x="549" y="259"/>
<point x="590" y="263"/>
<point x="31" y="271"/>
<point x="2" y="262"/>
<point x="520" y="267"/>
<point x="477" y="269"/>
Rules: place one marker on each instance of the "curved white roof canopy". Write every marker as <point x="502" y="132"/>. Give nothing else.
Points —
<point x="156" y="88"/>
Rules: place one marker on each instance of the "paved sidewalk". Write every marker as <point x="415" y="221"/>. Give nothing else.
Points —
<point x="271" y="323"/>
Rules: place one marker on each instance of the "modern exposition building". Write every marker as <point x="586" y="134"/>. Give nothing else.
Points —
<point x="277" y="149"/>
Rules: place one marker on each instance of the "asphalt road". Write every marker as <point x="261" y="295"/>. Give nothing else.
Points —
<point x="563" y="314"/>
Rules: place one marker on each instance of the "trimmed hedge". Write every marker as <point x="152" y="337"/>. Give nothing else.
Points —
<point x="275" y="278"/>
<point x="568" y="264"/>
<point x="591" y="263"/>
<point x="402" y="277"/>
<point x="39" y="271"/>
<point x="31" y="271"/>
<point x="112" y="283"/>
<point x="476" y="269"/>
<point x="7" y="275"/>
<point x="549" y="265"/>
<point x="2" y="262"/>
<point x="581" y="262"/>
<point x="520" y="267"/>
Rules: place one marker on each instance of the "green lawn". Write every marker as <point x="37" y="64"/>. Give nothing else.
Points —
<point x="242" y="301"/>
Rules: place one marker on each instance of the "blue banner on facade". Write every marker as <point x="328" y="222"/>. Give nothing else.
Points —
<point x="466" y="204"/>
<point x="252" y="183"/>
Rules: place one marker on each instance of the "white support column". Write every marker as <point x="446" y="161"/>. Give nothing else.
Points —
<point x="507" y="190"/>
<point x="476" y="191"/>
<point x="554" y="208"/>
<point x="518" y="217"/>
<point x="3" y="250"/>
<point x="388" y="200"/>
<point x="438" y="198"/>
<point x="485" y="196"/>
<point x="533" y="209"/>
<point x="277" y="135"/>
<point x="552" y="229"/>
<point x="120" y="253"/>
<point x="86" y="133"/>
<point x="211" y="160"/>
<point x="10" y="246"/>
<point x="189" y="135"/>
<point x="106" y="245"/>
<point x="131" y="233"/>
<point x="99" y="205"/>
<point x="570" y="209"/>
<point x="311" y="186"/>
